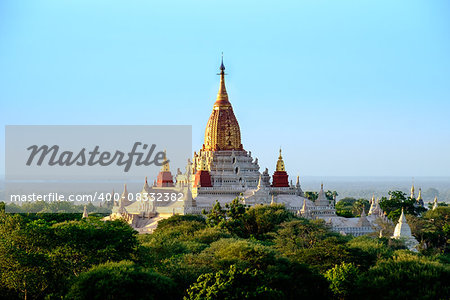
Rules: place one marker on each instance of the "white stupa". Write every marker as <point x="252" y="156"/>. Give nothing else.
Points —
<point x="403" y="232"/>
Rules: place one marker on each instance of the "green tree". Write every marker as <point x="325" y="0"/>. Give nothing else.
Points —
<point x="436" y="230"/>
<point x="405" y="276"/>
<point x="359" y="205"/>
<point x="294" y="280"/>
<point x="38" y="258"/>
<point x="311" y="195"/>
<point x="232" y="284"/>
<point x="256" y="221"/>
<point x="374" y="249"/>
<point x="121" y="280"/>
<point x="179" y="219"/>
<point x="260" y="220"/>
<point x="342" y="279"/>
<point x="177" y="236"/>
<point x="344" y="207"/>
<point x="80" y="244"/>
<point x="25" y="264"/>
<point x="216" y="216"/>
<point x="331" y="194"/>
<point x="298" y="234"/>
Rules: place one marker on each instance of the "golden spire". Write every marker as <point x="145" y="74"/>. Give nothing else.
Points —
<point x="165" y="167"/>
<point x="222" y="95"/>
<point x="280" y="163"/>
<point x="222" y="130"/>
<point x="420" y="195"/>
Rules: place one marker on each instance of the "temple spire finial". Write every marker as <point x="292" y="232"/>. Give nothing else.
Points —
<point x="222" y="66"/>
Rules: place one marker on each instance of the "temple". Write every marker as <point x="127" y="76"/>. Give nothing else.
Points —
<point x="223" y="170"/>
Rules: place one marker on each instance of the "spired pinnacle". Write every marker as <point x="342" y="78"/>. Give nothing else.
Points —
<point x="280" y="164"/>
<point x="222" y="95"/>
<point x="222" y="130"/>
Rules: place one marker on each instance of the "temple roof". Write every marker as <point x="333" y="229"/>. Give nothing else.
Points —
<point x="222" y="130"/>
<point x="222" y="95"/>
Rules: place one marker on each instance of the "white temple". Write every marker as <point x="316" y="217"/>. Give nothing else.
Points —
<point x="223" y="170"/>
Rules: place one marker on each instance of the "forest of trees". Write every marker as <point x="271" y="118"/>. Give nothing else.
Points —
<point x="233" y="252"/>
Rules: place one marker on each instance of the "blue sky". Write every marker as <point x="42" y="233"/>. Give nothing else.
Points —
<point x="346" y="88"/>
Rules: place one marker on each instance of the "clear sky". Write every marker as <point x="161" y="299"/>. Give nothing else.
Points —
<point x="344" y="87"/>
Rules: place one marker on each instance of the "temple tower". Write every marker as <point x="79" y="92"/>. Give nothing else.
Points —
<point x="222" y="130"/>
<point x="165" y="178"/>
<point x="419" y="201"/>
<point x="222" y="163"/>
<point x="280" y="177"/>
<point x="202" y="177"/>
<point x="403" y="231"/>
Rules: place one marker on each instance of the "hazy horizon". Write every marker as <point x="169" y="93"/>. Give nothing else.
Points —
<point x="346" y="186"/>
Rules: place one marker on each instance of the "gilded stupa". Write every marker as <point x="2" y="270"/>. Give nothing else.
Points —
<point x="222" y="130"/>
<point x="223" y="170"/>
<point x="280" y="177"/>
<point x="222" y="166"/>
